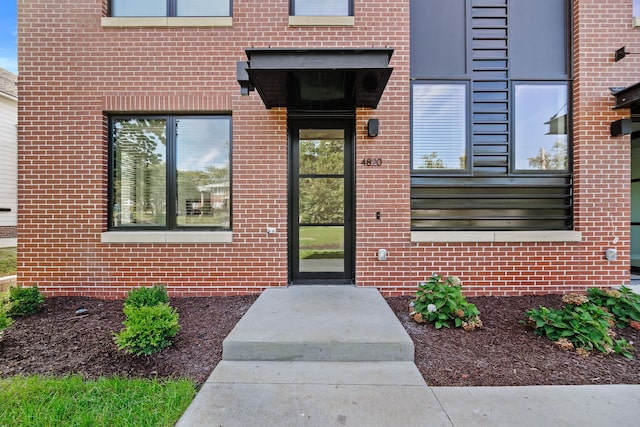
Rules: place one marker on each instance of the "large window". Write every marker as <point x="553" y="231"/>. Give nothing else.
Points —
<point x="541" y="126"/>
<point x="490" y="136"/>
<point x="170" y="172"/>
<point x="170" y="7"/>
<point x="321" y="7"/>
<point x="439" y="126"/>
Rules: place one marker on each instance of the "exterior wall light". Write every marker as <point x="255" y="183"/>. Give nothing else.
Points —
<point x="372" y="127"/>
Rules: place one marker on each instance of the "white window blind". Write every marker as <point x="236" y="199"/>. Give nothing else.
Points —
<point x="439" y="126"/>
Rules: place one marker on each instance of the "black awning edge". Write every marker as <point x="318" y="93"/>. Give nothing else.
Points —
<point x="293" y="77"/>
<point x="628" y="97"/>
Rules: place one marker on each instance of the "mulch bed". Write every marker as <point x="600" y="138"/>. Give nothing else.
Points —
<point x="504" y="352"/>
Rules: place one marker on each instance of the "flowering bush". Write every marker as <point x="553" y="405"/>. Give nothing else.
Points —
<point x="623" y="304"/>
<point x="580" y="325"/>
<point x="439" y="300"/>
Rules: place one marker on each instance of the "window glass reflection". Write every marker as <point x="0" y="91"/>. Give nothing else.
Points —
<point x="541" y="140"/>
<point x="321" y="7"/>
<point x="139" y="175"/>
<point x="139" y="8"/>
<point x="202" y="152"/>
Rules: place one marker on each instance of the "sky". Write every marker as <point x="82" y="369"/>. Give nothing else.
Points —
<point x="9" y="35"/>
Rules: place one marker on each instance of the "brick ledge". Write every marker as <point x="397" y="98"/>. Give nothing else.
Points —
<point x="162" y="21"/>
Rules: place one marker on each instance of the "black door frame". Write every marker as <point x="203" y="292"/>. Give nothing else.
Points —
<point x="316" y="120"/>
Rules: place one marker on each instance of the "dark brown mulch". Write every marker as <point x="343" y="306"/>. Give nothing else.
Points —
<point x="503" y="352"/>
<point x="55" y="341"/>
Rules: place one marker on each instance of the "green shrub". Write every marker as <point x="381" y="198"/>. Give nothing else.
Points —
<point x="24" y="300"/>
<point x="5" y="320"/>
<point x="580" y="324"/>
<point x="147" y="329"/>
<point x="623" y="304"/>
<point x="440" y="301"/>
<point x="153" y="295"/>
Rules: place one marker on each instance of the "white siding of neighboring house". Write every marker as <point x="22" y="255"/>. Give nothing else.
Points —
<point x="8" y="160"/>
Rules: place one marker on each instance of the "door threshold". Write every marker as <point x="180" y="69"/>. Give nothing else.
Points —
<point x="317" y="282"/>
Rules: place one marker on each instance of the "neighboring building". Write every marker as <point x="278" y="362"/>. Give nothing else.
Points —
<point x="8" y="153"/>
<point x="223" y="147"/>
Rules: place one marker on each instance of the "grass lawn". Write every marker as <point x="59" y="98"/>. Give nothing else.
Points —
<point x="8" y="257"/>
<point x="73" y="401"/>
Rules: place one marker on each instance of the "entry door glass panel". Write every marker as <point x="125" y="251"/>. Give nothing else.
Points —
<point x="321" y="201"/>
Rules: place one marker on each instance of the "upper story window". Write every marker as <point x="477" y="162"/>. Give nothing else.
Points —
<point x="170" y="172"/>
<point x="321" y="7"/>
<point x="148" y="8"/>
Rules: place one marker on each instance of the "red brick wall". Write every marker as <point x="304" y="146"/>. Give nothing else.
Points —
<point x="72" y="71"/>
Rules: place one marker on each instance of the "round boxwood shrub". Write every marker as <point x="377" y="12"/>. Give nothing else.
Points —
<point x="147" y="329"/>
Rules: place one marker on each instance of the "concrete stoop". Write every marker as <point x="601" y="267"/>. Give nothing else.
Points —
<point x="316" y="356"/>
<point x="319" y="323"/>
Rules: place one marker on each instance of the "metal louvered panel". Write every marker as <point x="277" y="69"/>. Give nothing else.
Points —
<point x="491" y="198"/>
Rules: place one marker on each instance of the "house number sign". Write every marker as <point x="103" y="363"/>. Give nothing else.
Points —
<point x="370" y="162"/>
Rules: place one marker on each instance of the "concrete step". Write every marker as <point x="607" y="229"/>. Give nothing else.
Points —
<point x="319" y="323"/>
<point x="315" y="394"/>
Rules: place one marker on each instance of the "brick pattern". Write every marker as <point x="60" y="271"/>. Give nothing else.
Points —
<point x="73" y="71"/>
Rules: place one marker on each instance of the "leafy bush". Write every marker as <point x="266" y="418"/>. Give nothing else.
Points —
<point x="23" y="301"/>
<point x="154" y="295"/>
<point x="623" y="304"/>
<point x="580" y="324"/>
<point x="148" y="329"/>
<point x="440" y="301"/>
<point x="5" y="320"/>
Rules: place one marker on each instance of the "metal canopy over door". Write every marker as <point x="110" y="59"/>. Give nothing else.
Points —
<point x="321" y="232"/>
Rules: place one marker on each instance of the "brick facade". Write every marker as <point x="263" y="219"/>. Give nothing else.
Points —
<point x="73" y="71"/>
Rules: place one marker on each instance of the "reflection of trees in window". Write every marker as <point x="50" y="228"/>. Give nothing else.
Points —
<point x="321" y="157"/>
<point x="322" y="200"/>
<point x="139" y="171"/>
<point x="148" y="189"/>
<point x="556" y="159"/>
<point x="433" y="161"/>
<point x="203" y="196"/>
<point x="541" y="132"/>
<point x="322" y="195"/>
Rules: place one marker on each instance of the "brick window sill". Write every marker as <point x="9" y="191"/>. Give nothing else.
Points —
<point x="120" y="22"/>
<point x="321" y="21"/>
<point x="167" y="237"/>
<point x="495" y="236"/>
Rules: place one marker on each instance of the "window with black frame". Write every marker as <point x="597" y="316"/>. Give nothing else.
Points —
<point x="490" y="115"/>
<point x="321" y="7"/>
<point x="186" y="8"/>
<point x="170" y="172"/>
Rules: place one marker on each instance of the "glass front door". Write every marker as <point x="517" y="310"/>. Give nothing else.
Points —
<point x="321" y="207"/>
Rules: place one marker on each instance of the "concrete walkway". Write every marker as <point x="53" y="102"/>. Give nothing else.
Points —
<point x="338" y="356"/>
